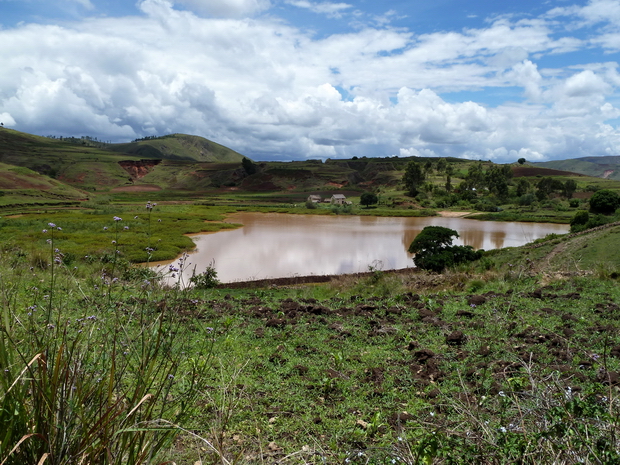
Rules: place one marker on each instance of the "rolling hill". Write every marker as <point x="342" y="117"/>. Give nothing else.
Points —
<point x="607" y="167"/>
<point x="179" y="147"/>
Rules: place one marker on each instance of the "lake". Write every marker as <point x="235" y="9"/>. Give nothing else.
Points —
<point x="275" y="245"/>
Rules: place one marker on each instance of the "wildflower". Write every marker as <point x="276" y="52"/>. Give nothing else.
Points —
<point x="502" y="429"/>
<point x="159" y="220"/>
<point x="49" y="241"/>
<point x="44" y="231"/>
<point x="113" y="242"/>
<point x="173" y="268"/>
<point x="135" y="217"/>
<point x="595" y="357"/>
<point x="170" y="376"/>
<point x="51" y="225"/>
<point x="105" y="228"/>
<point x="210" y="329"/>
<point x="116" y="218"/>
<point x="126" y="228"/>
<point x="472" y="305"/>
<point x="59" y="228"/>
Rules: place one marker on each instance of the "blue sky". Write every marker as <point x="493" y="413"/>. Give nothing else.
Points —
<point x="296" y="79"/>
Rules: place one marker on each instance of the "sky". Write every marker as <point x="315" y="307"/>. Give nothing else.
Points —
<point x="305" y="79"/>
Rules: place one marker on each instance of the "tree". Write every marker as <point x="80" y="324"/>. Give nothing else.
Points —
<point x="521" y="161"/>
<point x="434" y="251"/>
<point x="248" y="166"/>
<point x="368" y="198"/>
<point x="523" y="186"/>
<point x="570" y="186"/>
<point x="413" y="178"/>
<point x="604" y="201"/>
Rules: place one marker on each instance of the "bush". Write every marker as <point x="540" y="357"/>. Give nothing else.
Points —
<point x="434" y="251"/>
<point x="578" y="221"/>
<point x="604" y="201"/>
<point x="527" y="199"/>
<point x="205" y="280"/>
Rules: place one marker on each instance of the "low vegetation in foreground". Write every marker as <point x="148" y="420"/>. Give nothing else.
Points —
<point x="499" y="361"/>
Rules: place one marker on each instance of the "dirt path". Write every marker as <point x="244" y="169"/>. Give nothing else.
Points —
<point x="447" y="214"/>
<point x="544" y="264"/>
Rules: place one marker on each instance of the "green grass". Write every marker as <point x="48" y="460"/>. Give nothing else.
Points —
<point x="472" y="366"/>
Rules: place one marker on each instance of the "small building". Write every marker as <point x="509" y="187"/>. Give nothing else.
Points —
<point x="314" y="198"/>
<point x="338" y="199"/>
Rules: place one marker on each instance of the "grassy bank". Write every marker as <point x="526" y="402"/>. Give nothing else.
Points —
<point x="497" y="363"/>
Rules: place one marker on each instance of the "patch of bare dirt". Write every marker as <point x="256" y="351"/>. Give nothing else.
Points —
<point x="521" y="171"/>
<point x="447" y="214"/>
<point x="142" y="188"/>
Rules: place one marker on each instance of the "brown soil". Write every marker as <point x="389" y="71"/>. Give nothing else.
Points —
<point x="519" y="172"/>
<point x="295" y="280"/>
<point x="143" y="188"/>
<point x="140" y="168"/>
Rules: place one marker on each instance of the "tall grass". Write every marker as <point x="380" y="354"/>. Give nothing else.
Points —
<point x="87" y="379"/>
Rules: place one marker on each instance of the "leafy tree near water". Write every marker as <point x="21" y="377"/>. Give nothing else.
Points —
<point x="368" y="198"/>
<point x="434" y="251"/>
<point x="604" y="201"/>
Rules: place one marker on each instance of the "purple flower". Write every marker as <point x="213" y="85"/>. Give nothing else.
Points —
<point x="105" y="228"/>
<point x="113" y="242"/>
<point x="59" y="228"/>
<point x="116" y="218"/>
<point x="126" y="228"/>
<point x="45" y="230"/>
<point x="51" y="225"/>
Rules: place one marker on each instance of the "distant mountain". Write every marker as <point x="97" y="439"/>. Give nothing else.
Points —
<point x="179" y="147"/>
<point x="607" y="167"/>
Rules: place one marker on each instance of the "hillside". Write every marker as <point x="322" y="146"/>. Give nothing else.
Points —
<point x="22" y="186"/>
<point x="600" y="167"/>
<point x="180" y="147"/>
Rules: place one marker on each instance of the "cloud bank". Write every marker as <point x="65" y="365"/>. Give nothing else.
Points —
<point x="274" y="91"/>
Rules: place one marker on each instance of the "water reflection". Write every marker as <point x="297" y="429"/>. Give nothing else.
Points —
<point x="279" y="245"/>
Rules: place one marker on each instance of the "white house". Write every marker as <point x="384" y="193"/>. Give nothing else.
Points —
<point x="338" y="199"/>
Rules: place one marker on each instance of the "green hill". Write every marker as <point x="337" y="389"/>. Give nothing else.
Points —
<point x="22" y="186"/>
<point x="180" y="147"/>
<point x="601" y="167"/>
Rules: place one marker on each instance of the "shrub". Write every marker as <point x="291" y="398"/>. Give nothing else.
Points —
<point x="205" y="280"/>
<point x="604" y="201"/>
<point x="580" y="218"/>
<point x="527" y="199"/>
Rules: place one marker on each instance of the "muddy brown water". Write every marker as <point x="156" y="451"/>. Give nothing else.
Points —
<point x="275" y="245"/>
